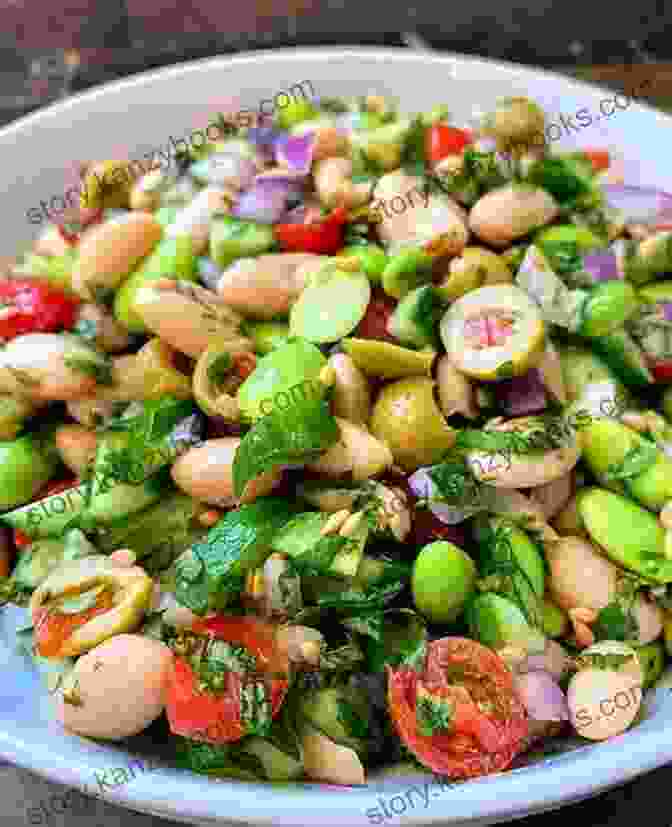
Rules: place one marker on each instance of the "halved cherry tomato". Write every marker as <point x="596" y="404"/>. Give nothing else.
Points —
<point x="599" y="158"/>
<point x="489" y="722"/>
<point x="21" y="540"/>
<point x="324" y="237"/>
<point x="30" y="305"/>
<point x="53" y="628"/>
<point x="661" y="369"/>
<point x="442" y="140"/>
<point x="375" y="321"/>
<point x="216" y="716"/>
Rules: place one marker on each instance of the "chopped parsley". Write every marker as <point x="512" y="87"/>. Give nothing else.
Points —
<point x="432" y="714"/>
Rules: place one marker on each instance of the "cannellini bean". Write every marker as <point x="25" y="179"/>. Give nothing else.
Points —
<point x="554" y="496"/>
<point x="110" y="336"/>
<point x="301" y="644"/>
<point x="112" y="250"/>
<point x="34" y="365"/>
<point x="205" y="472"/>
<point x="325" y="760"/>
<point x="333" y="185"/>
<point x="268" y="285"/>
<point x="194" y="219"/>
<point x="91" y="411"/>
<point x="456" y="393"/>
<point x="351" y="397"/>
<point x="581" y="577"/>
<point x="356" y="451"/>
<point x="328" y="142"/>
<point x="120" y="687"/>
<point x="604" y="702"/>
<point x="432" y="218"/>
<point x="189" y="317"/>
<point x="51" y="242"/>
<point x="146" y="193"/>
<point x="501" y="216"/>
<point x="76" y="446"/>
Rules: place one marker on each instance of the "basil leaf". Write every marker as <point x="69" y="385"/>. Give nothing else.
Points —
<point x="296" y="435"/>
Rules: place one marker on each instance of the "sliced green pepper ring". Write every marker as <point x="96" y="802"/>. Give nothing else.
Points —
<point x="494" y="332"/>
<point x="213" y="384"/>
<point x="131" y="594"/>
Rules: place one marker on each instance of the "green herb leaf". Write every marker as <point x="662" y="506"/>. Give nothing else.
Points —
<point x="353" y="723"/>
<point x="219" y="368"/>
<point x="433" y="714"/>
<point x="615" y="622"/>
<point x="505" y="371"/>
<point x="295" y="435"/>
<point x="99" y="369"/>
<point x="563" y="178"/>
<point x="413" y="159"/>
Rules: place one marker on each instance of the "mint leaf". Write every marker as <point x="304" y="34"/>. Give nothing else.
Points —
<point x="295" y="435"/>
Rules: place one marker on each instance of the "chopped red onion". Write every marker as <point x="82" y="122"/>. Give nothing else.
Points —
<point x="601" y="265"/>
<point x="297" y="215"/>
<point x="639" y="205"/>
<point x="667" y="311"/>
<point x="265" y="202"/>
<point x="542" y="697"/>
<point x="296" y="152"/>
<point x="523" y="395"/>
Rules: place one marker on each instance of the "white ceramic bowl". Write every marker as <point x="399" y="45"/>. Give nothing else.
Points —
<point x="140" y="114"/>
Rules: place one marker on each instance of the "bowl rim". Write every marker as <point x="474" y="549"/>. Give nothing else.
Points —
<point x="511" y="794"/>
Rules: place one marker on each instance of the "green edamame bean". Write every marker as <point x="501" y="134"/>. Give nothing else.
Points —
<point x="442" y="581"/>
<point x="611" y="450"/>
<point x="267" y="335"/>
<point x="652" y="660"/>
<point x="372" y="258"/>
<point x="630" y="536"/>
<point x="25" y="466"/>
<point x="497" y="622"/>
<point x="405" y="271"/>
<point x="606" y="308"/>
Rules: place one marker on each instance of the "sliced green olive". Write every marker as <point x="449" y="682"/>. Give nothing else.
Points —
<point x="386" y="360"/>
<point x="131" y="590"/>
<point x="407" y="418"/>
<point x="212" y="383"/>
<point x="494" y="332"/>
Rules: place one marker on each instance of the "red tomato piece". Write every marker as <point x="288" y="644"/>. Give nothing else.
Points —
<point x="324" y="237"/>
<point x="442" y="140"/>
<point x="661" y="369"/>
<point x="21" y="540"/>
<point x="215" y="716"/>
<point x="489" y="723"/>
<point x="377" y="316"/>
<point x="30" y="305"/>
<point x="599" y="158"/>
<point x="52" y="628"/>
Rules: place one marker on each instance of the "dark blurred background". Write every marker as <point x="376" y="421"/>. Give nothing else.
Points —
<point x="49" y="48"/>
<point x="52" y="48"/>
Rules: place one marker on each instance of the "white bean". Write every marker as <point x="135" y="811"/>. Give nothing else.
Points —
<point x="205" y="472"/>
<point x="425" y="218"/>
<point x="268" y="285"/>
<point x="121" y="688"/>
<point x="501" y="216"/>
<point x="602" y="702"/>
<point x="325" y="760"/>
<point x="112" y="250"/>
<point x="332" y="180"/>
<point x="356" y="452"/>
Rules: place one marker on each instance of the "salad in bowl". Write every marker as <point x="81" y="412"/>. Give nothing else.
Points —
<point x="345" y="444"/>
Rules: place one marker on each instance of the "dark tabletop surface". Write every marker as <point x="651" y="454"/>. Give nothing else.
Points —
<point x="49" y="50"/>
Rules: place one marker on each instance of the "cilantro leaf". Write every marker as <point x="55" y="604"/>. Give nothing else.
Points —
<point x="295" y="435"/>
